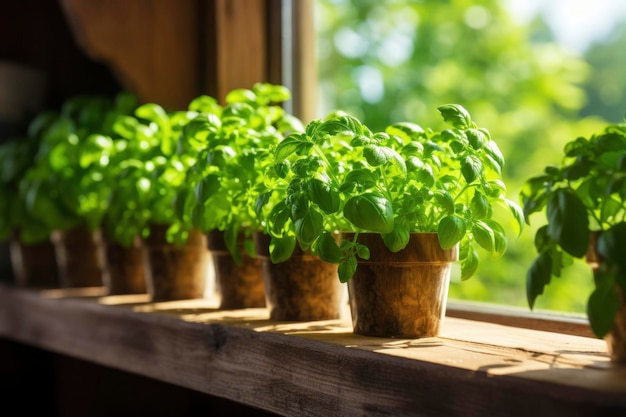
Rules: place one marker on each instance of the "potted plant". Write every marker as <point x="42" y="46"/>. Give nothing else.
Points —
<point x="391" y="195"/>
<point x="584" y="200"/>
<point x="31" y="252"/>
<point x="64" y="191"/>
<point x="176" y="259"/>
<point x="232" y="143"/>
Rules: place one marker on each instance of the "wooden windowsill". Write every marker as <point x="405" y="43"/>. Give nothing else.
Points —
<point x="474" y="368"/>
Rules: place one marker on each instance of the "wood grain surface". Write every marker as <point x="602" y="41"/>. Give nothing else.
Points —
<point x="321" y="368"/>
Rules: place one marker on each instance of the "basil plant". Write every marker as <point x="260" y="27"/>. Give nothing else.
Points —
<point x="582" y="198"/>
<point x="66" y="185"/>
<point x="339" y="176"/>
<point x="233" y="144"/>
<point x="151" y="170"/>
<point x="16" y="156"/>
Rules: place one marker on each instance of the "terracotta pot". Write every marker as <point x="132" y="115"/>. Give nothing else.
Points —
<point x="34" y="265"/>
<point x="175" y="272"/>
<point x="616" y="338"/>
<point x="124" y="271"/>
<point x="303" y="288"/>
<point x="401" y="294"/>
<point x="79" y="256"/>
<point x="237" y="285"/>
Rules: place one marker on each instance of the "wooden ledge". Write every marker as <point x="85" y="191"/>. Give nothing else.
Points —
<point x="321" y="368"/>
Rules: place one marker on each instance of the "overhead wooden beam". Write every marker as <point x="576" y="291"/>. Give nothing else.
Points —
<point x="151" y="45"/>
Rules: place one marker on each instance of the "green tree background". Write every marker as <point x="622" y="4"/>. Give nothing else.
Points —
<point x="389" y="61"/>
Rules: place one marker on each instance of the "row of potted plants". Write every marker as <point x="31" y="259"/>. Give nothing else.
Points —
<point x="266" y="195"/>
<point x="257" y="197"/>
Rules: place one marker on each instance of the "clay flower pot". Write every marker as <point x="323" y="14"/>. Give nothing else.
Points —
<point x="237" y="285"/>
<point x="302" y="288"/>
<point x="79" y="256"/>
<point x="34" y="265"/>
<point x="401" y="294"/>
<point x="124" y="271"/>
<point x="175" y="272"/>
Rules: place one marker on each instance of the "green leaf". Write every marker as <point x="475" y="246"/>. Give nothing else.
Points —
<point x="451" y="230"/>
<point x="309" y="227"/>
<point x="183" y="203"/>
<point x="362" y="251"/>
<point x="542" y="240"/>
<point x="240" y="95"/>
<point x="518" y="215"/>
<point x="405" y="130"/>
<point x="397" y="239"/>
<point x="611" y="245"/>
<point x="471" y="168"/>
<point x="426" y="176"/>
<point x="492" y="149"/>
<point x="370" y="211"/>
<point x="499" y="235"/>
<point x="282" y="169"/>
<point x="292" y="144"/>
<point x="278" y="217"/>
<point x="568" y="223"/>
<point x="281" y="248"/>
<point x="477" y="138"/>
<point x="206" y="188"/>
<point x="346" y="269"/>
<point x="484" y="236"/>
<point x="323" y="194"/>
<point x="456" y="116"/>
<point x="469" y="265"/>
<point x="538" y="276"/>
<point x="275" y="93"/>
<point x="603" y="304"/>
<point x="327" y="249"/>
<point x="154" y="113"/>
<point x="380" y="155"/>
<point x="231" y="233"/>
<point x="481" y="209"/>
<point x="299" y="206"/>
<point x="533" y="195"/>
<point x="205" y="104"/>
<point x="445" y="200"/>
<point x="61" y="156"/>
<point x="342" y="125"/>
<point x="358" y="177"/>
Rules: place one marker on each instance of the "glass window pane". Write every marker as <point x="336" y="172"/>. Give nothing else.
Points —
<point x="536" y="74"/>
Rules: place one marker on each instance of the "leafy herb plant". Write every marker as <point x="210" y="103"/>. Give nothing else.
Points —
<point x="65" y="186"/>
<point x="16" y="156"/>
<point x="233" y="144"/>
<point x="338" y="176"/>
<point x="583" y="198"/>
<point x="151" y="169"/>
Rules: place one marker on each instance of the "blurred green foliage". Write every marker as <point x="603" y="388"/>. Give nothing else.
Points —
<point x="606" y="87"/>
<point x="390" y="61"/>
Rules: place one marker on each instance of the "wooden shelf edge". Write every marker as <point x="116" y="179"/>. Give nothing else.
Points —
<point x="244" y="357"/>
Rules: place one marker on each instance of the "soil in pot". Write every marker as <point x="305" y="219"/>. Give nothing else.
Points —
<point x="34" y="265"/>
<point x="401" y="294"/>
<point x="79" y="256"/>
<point x="175" y="272"/>
<point x="302" y="288"/>
<point x="124" y="271"/>
<point x="236" y="285"/>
